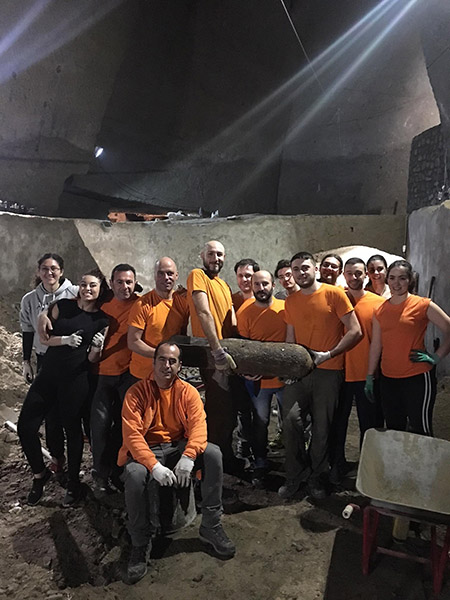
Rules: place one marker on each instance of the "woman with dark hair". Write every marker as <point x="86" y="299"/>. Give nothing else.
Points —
<point x="330" y="268"/>
<point x="408" y="379"/>
<point x="50" y="286"/>
<point x="377" y="269"/>
<point x="65" y="381"/>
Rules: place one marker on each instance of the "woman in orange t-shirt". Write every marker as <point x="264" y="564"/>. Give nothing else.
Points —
<point x="408" y="378"/>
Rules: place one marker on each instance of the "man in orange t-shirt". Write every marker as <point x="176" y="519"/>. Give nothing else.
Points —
<point x="157" y="316"/>
<point x="262" y="319"/>
<point x="164" y="442"/>
<point x="356" y="363"/>
<point x="244" y="269"/>
<point x="212" y="317"/>
<point x="316" y="316"/>
<point x="113" y="380"/>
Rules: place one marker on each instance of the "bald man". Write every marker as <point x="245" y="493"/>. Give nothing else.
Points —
<point x="155" y="317"/>
<point x="212" y="317"/>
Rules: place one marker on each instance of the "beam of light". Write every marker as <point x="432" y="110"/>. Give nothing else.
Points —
<point x="7" y="41"/>
<point x="68" y="27"/>
<point x="271" y="106"/>
<point x="332" y="89"/>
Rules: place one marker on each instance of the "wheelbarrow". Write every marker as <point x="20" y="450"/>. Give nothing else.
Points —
<point x="405" y="475"/>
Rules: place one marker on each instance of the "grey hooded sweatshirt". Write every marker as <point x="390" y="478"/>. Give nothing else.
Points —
<point x="38" y="300"/>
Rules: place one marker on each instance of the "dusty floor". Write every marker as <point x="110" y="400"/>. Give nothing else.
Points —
<point x="295" y="550"/>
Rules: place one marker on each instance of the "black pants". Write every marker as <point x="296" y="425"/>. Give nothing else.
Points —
<point x="70" y="397"/>
<point x="106" y="421"/>
<point x="408" y="402"/>
<point x="369" y="415"/>
<point x="221" y="415"/>
<point x="54" y="432"/>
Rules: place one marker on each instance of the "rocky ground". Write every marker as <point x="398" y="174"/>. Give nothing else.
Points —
<point x="296" y="550"/>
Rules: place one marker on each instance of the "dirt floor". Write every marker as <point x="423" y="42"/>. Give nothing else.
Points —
<point x="296" y="550"/>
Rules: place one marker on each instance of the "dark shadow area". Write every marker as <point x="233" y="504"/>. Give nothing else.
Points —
<point x="72" y="563"/>
<point x="389" y="577"/>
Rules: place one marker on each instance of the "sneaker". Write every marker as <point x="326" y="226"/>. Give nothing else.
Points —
<point x="37" y="489"/>
<point x="258" y="478"/>
<point x="289" y="488"/>
<point x="137" y="563"/>
<point x="73" y="494"/>
<point x="100" y="486"/>
<point x="317" y="489"/>
<point x="277" y="442"/>
<point x="218" y="539"/>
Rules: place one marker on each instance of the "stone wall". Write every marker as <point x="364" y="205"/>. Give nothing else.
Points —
<point x="429" y="253"/>
<point x="426" y="169"/>
<point x="85" y="243"/>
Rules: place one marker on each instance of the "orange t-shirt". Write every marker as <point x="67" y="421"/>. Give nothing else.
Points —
<point x="403" y="329"/>
<point x="166" y="426"/>
<point x="160" y="319"/>
<point x="238" y="300"/>
<point x="116" y="356"/>
<point x="264" y="324"/>
<point x="219" y="298"/>
<point x="316" y="320"/>
<point x="357" y="359"/>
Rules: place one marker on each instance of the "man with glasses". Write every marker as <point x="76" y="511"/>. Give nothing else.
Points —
<point x="283" y="273"/>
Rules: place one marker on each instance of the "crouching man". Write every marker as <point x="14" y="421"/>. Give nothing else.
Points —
<point x="164" y="442"/>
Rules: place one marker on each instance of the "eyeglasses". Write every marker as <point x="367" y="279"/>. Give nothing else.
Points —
<point x="285" y="276"/>
<point x="50" y="269"/>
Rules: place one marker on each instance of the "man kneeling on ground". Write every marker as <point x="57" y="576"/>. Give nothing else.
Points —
<point x="164" y="442"/>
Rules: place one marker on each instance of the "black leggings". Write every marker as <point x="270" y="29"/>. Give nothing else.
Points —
<point x="408" y="402"/>
<point x="71" y="397"/>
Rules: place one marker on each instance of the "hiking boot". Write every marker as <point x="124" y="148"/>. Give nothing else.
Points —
<point x="73" y="494"/>
<point x="218" y="539"/>
<point x="289" y="489"/>
<point x="137" y="563"/>
<point x="37" y="488"/>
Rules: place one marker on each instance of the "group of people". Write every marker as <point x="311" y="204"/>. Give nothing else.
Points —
<point x="108" y="370"/>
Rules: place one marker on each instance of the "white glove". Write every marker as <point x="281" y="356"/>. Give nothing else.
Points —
<point x="183" y="470"/>
<point x="97" y="342"/>
<point x="73" y="340"/>
<point x="163" y="475"/>
<point x="27" y="371"/>
<point x="320" y="357"/>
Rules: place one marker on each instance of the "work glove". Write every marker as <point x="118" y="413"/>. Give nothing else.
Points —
<point x="27" y="371"/>
<point x="320" y="357"/>
<point x="418" y="356"/>
<point x="97" y="342"/>
<point x="183" y="470"/>
<point x="223" y="361"/>
<point x="368" y="389"/>
<point x="73" y="340"/>
<point x="163" y="475"/>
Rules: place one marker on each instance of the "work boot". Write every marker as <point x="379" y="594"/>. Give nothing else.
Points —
<point x="37" y="488"/>
<point x="289" y="489"/>
<point x="218" y="539"/>
<point x="137" y="563"/>
<point x="73" y="494"/>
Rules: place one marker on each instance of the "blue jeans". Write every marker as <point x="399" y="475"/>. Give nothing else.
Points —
<point x="261" y="418"/>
